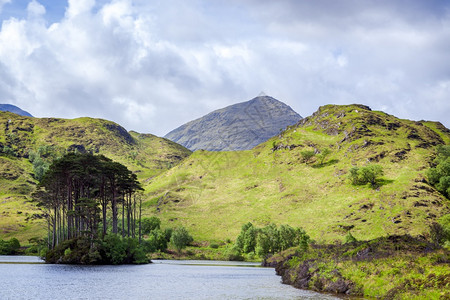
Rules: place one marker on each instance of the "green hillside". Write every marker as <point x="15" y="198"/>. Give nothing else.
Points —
<point x="22" y="138"/>
<point x="214" y="193"/>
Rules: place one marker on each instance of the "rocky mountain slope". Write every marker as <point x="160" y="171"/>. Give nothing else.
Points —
<point x="214" y="193"/>
<point x="240" y="126"/>
<point x="27" y="144"/>
<point x="14" y="109"/>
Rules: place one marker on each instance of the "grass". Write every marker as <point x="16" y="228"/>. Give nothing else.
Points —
<point x="144" y="154"/>
<point x="214" y="193"/>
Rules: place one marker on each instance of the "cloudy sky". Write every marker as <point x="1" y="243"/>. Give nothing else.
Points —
<point x="154" y="65"/>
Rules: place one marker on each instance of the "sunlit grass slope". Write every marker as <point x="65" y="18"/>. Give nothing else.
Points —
<point x="145" y="154"/>
<point x="214" y="193"/>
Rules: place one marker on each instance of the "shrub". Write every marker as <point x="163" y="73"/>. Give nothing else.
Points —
<point x="214" y="246"/>
<point x="181" y="238"/>
<point x="349" y="238"/>
<point x="9" y="151"/>
<point x="439" y="176"/>
<point x="323" y="155"/>
<point x="150" y="224"/>
<point x="9" y="247"/>
<point x="39" y="168"/>
<point x="112" y="249"/>
<point x="246" y="240"/>
<point x="444" y="221"/>
<point x="364" y="175"/>
<point x="118" y="250"/>
<point x="270" y="239"/>
<point x="156" y="242"/>
<point x="234" y="254"/>
<point x="437" y="234"/>
<point x="168" y="233"/>
<point x="307" y="155"/>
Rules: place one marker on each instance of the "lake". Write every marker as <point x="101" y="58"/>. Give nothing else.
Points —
<point x="23" y="277"/>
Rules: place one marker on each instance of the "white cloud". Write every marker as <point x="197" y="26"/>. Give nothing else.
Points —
<point x="79" y="7"/>
<point x="153" y="65"/>
<point x="35" y="9"/>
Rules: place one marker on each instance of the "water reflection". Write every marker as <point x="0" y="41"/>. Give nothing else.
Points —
<point x="20" y="259"/>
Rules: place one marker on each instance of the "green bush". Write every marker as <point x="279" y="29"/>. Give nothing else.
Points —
<point x="9" y="247"/>
<point x="156" y="242"/>
<point x="444" y="221"/>
<point x="439" y="176"/>
<point x="112" y="249"/>
<point x="214" y="246"/>
<point x="349" y="238"/>
<point x="150" y="224"/>
<point x="180" y="238"/>
<point x="39" y="168"/>
<point x="270" y="239"/>
<point x="246" y="240"/>
<point x="307" y="155"/>
<point x="9" y="151"/>
<point x="323" y="155"/>
<point x="168" y="233"/>
<point x="118" y="250"/>
<point x="364" y="175"/>
<point x="234" y="254"/>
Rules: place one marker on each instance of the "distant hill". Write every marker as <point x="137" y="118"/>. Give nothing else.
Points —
<point x="22" y="139"/>
<point x="14" y="109"/>
<point x="241" y="126"/>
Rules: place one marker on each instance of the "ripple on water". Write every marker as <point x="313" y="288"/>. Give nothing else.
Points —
<point x="161" y="280"/>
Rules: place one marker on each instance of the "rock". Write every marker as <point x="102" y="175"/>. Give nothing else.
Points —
<point x="240" y="126"/>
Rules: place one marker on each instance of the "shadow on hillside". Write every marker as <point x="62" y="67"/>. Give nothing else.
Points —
<point x="381" y="182"/>
<point x="326" y="164"/>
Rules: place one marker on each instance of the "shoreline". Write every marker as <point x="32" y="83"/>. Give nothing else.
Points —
<point x="395" y="267"/>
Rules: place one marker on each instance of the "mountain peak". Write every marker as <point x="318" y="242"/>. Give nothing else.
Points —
<point x="14" y="109"/>
<point x="240" y="126"/>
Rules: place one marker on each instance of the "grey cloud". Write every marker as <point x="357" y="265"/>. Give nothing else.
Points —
<point x="152" y="66"/>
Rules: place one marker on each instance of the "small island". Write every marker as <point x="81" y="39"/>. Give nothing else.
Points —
<point x="93" y="211"/>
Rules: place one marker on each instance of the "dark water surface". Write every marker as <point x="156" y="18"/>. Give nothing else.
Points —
<point x="28" y="278"/>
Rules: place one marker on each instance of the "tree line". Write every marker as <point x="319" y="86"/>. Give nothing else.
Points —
<point x="88" y="195"/>
<point x="269" y="239"/>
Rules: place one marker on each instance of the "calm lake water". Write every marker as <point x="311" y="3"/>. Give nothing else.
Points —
<point x="28" y="278"/>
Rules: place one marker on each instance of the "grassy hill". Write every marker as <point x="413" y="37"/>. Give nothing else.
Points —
<point x="214" y="193"/>
<point x="144" y="154"/>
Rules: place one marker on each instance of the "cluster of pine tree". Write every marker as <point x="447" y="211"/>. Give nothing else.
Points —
<point x="86" y="196"/>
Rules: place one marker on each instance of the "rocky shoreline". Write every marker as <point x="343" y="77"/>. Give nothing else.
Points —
<point x="394" y="267"/>
<point x="307" y="276"/>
